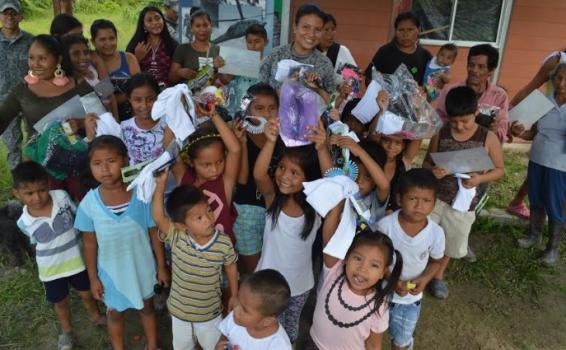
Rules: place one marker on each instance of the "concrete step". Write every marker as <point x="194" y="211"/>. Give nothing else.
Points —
<point x="501" y="216"/>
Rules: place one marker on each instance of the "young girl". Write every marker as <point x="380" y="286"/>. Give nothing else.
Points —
<point x="152" y="45"/>
<point x="212" y="170"/>
<point x="351" y="310"/>
<point x="291" y="223"/>
<point x="117" y="244"/>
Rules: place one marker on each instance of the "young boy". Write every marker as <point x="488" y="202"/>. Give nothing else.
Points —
<point x="421" y="244"/>
<point x="47" y="219"/>
<point x="437" y="73"/>
<point x="199" y="252"/>
<point x="253" y="324"/>
<point x="256" y="40"/>
<point x="461" y="132"/>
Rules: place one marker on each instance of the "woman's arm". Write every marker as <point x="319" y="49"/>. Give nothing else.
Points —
<point x="177" y="72"/>
<point x="261" y="169"/>
<point x="541" y="77"/>
<point x="90" y="247"/>
<point x="133" y="64"/>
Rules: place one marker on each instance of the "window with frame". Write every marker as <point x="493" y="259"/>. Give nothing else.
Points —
<point x="460" y="20"/>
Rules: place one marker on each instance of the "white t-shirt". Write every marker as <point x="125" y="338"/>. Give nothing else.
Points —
<point x="238" y="335"/>
<point x="414" y="250"/>
<point x="285" y="251"/>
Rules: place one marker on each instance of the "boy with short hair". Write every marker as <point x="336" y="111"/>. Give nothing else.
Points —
<point x="421" y="244"/>
<point x="460" y="133"/>
<point x="253" y="324"/>
<point x="47" y="219"/>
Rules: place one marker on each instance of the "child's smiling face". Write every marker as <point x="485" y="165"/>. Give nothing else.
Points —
<point x="365" y="266"/>
<point x="445" y="57"/>
<point x="142" y="99"/>
<point x="289" y="176"/>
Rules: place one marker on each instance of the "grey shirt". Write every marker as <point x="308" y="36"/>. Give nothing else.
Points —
<point x="13" y="61"/>
<point x="321" y="63"/>
<point x="549" y="145"/>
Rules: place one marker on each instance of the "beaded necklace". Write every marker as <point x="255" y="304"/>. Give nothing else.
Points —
<point x="340" y="282"/>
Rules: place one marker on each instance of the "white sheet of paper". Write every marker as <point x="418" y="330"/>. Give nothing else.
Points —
<point x="464" y="161"/>
<point x="92" y="104"/>
<point x="367" y="108"/>
<point x="240" y="62"/>
<point x="531" y="109"/>
<point x="389" y="123"/>
<point x="71" y="109"/>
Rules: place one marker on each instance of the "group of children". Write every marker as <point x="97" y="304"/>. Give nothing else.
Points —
<point x="235" y="204"/>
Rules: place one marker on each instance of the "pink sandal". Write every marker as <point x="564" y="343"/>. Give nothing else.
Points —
<point x="520" y="210"/>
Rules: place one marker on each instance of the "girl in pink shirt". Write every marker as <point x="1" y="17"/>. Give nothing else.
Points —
<point x="351" y="311"/>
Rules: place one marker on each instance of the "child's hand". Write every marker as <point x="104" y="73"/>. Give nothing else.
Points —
<point x="382" y="100"/>
<point x="318" y="137"/>
<point x="473" y="181"/>
<point x="164" y="277"/>
<point x="439" y="172"/>
<point x="517" y="128"/>
<point x="90" y="125"/>
<point x="345" y="90"/>
<point x="419" y="286"/>
<point x="97" y="289"/>
<point x="334" y="115"/>
<point x="218" y="62"/>
<point x="222" y="344"/>
<point x="239" y="130"/>
<point x="272" y="130"/>
<point x="231" y="303"/>
<point x="401" y="288"/>
<point x="349" y="143"/>
<point x="161" y="178"/>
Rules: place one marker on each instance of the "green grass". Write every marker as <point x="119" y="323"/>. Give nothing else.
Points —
<point x="501" y="193"/>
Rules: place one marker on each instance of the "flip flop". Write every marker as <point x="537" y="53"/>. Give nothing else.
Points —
<point x="520" y="210"/>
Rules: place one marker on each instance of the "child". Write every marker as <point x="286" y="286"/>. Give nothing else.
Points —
<point x="253" y="324"/>
<point x="461" y="132"/>
<point x="47" y="219"/>
<point x="373" y="184"/>
<point x="213" y="169"/>
<point x="421" y="244"/>
<point x="198" y="253"/>
<point x="437" y="73"/>
<point x="117" y="244"/>
<point x="351" y="309"/>
<point x="256" y="40"/>
<point x="248" y="201"/>
<point x="291" y="223"/>
<point x="142" y="135"/>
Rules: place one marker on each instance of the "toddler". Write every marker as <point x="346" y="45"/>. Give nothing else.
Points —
<point x="437" y="72"/>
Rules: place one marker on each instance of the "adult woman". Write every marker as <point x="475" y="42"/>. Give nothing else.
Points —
<point x="547" y="170"/>
<point x="309" y="21"/>
<point x="152" y="45"/>
<point x="45" y="88"/>
<point x="120" y="65"/>
<point x="404" y="48"/>
<point x="336" y="53"/>
<point x="189" y="58"/>
<point x="65" y="24"/>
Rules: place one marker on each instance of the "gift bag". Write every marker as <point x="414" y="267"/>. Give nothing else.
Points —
<point x="298" y="109"/>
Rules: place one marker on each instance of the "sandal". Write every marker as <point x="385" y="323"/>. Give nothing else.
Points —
<point x="519" y="210"/>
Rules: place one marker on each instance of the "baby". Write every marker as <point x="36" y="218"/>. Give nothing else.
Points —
<point x="437" y="72"/>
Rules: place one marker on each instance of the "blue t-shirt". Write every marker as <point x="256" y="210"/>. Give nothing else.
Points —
<point x="126" y="266"/>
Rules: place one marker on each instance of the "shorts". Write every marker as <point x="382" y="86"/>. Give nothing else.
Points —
<point x="457" y="226"/>
<point x="58" y="289"/>
<point x="248" y="228"/>
<point x="402" y="322"/>
<point x="547" y="190"/>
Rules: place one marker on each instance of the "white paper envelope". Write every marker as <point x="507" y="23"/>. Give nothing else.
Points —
<point x="531" y="109"/>
<point x="367" y="108"/>
<point x="240" y="62"/>
<point x="464" y="161"/>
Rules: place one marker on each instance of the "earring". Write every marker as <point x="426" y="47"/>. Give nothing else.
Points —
<point x="31" y="79"/>
<point x="60" y="78"/>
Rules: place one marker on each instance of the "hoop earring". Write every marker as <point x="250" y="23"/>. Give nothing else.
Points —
<point x="31" y="79"/>
<point x="60" y="78"/>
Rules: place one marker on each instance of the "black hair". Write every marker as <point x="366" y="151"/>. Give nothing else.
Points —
<point x="108" y="142"/>
<point x="200" y="13"/>
<point x="101" y="24"/>
<point x="257" y="29"/>
<point x="306" y="158"/>
<point x="407" y="16"/>
<point x="203" y="137"/>
<point x="420" y="178"/>
<point x="141" y="34"/>
<point x="139" y="80"/>
<point x="182" y="199"/>
<point x="309" y="9"/>
<point x="63" y="24"/>
<point x="385" y="287"/>
<point x="54" y="47"/>
<point x="449" y="47"/>
<point x="349" y="107"/>
<point x="263" y="89"/>
<point x="69" y="40"/>
<point x="272" y="288"/>
<point x="486" y="50"/>
<point x="28" y="172"/>
<point x="329" y="18"/>
<point x="461" y="101"/>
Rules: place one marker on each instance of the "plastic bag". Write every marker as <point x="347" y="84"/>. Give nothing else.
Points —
<point x="298" y="110"/>
<point x="406" y="101"/>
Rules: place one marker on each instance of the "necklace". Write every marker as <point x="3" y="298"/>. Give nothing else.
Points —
<point x="332" y="318"/>
<point x="343" y="302"/>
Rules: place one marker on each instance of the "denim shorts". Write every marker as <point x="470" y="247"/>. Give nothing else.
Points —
<point x="403" y="321"/>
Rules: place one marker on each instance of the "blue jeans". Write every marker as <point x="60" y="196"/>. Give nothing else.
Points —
<point x="402" y="322"/>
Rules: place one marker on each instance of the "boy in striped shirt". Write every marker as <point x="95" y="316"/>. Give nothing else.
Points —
<point x="199" y="254"/>
<point x="47" y="219"/>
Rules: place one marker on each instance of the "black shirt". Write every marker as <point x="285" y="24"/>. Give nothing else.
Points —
<point x="389" y="57"/>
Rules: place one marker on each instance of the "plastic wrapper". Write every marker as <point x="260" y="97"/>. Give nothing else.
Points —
<point x="298" y="109"/>
<point x="420" y="120"/>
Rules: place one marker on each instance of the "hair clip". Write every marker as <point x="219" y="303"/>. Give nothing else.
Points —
<point x="200" y="138"/>
<point x="254" y="125"/>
